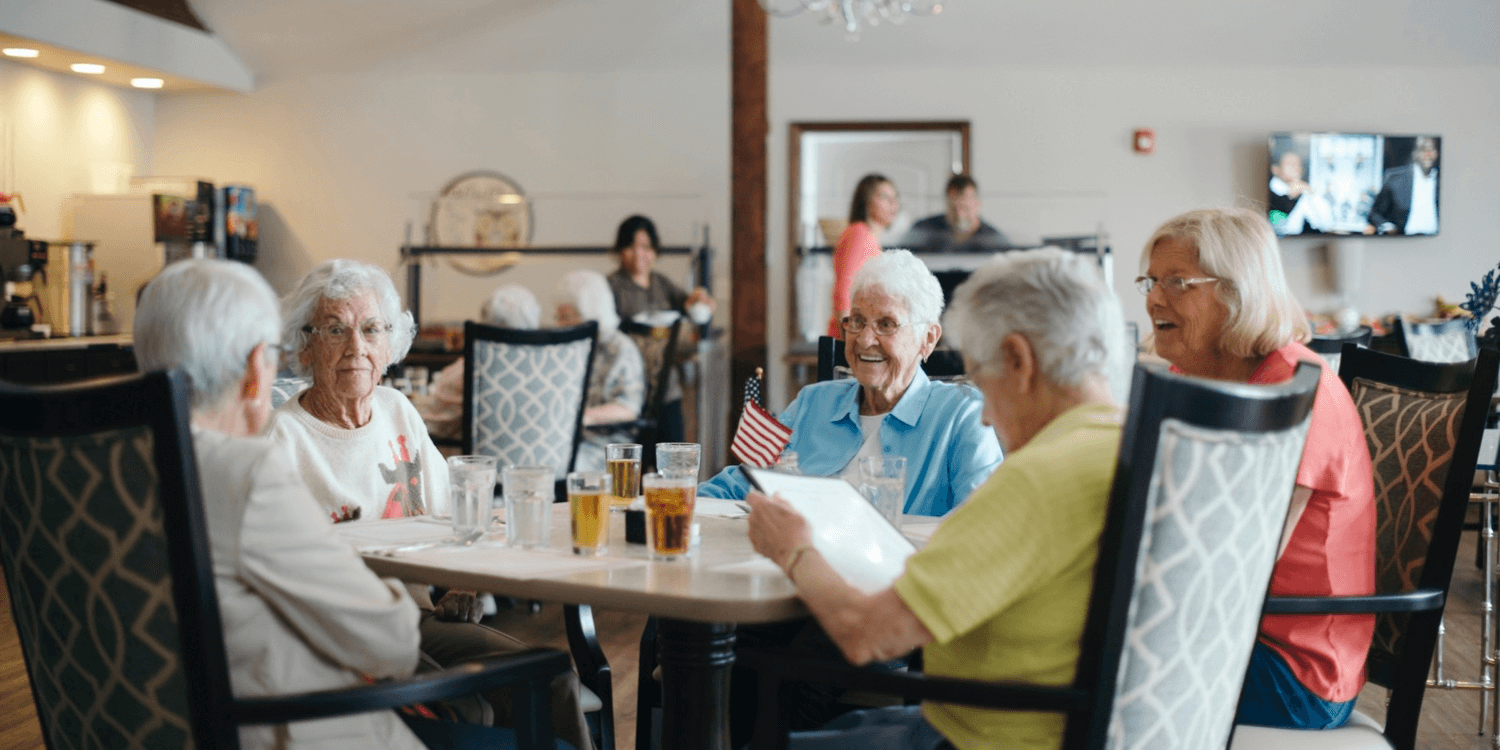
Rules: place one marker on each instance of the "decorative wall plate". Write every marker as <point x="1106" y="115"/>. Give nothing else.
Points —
<point x="481" y="209"/>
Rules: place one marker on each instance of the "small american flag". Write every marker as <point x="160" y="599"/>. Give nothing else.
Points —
<point x="760" y="438"/>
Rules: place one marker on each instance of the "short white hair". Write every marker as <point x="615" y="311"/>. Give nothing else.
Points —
<point x="904" y="276"/>
<point x="1057" y="299"/>
<point x="589" y="293"/>
<point x="513" y="306"/>
<point x="340" y="279"/>
<point x="205" y="316"/>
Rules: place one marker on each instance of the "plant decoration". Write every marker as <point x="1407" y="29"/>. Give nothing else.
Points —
<point x="1479" y="301"/>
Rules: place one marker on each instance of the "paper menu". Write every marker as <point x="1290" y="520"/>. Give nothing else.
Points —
<point x="846" y="529"/>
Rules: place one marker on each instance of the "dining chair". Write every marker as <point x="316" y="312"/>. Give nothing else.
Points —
<point x="283" y="389"/>
<point x="1422" y="422"/>
<point x="105" y="552"/>
<point x="942" y="364"/>
<point x="1331" y="347"/>
<point x="1202" y="484"/>
<point x="524" y="393"/>
<point x="1443" y="341"/>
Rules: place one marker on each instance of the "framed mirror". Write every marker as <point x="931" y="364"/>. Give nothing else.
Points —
<point x="828" y="159"/>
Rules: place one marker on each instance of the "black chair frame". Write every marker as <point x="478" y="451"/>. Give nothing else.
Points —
<point x="647" y="427"/>
<point x="159" y="401"/>
<point x="542" y="337"/>
<point x="1407" y="678"/>
<point x="1335" y="344"/>
<point x="1156" y="395"/>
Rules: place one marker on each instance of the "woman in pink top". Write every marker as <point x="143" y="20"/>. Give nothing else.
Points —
<point x="873" y="209"/>
<point x="1220" y="308"/>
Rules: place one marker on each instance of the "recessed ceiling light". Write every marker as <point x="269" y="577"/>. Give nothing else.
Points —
<point x="20" y="52"/>
<point x="90" y="68"/>
<point x="146" y="83"/>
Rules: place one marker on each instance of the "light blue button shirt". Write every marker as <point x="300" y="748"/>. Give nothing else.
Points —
<point x="938" y="427"/>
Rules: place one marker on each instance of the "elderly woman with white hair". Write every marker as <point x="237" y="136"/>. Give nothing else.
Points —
<point x="1001" y="591"/>
<point x="364" y="451"/>
<point x="301" y="611"/>
<point x="1220" y="308"/>
<point x="890" y="408"/>
<point x="511" y="306"/>
<point x="617" y="377"/>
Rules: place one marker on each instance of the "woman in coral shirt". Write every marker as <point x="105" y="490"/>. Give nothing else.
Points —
<point x="873" y="209"/>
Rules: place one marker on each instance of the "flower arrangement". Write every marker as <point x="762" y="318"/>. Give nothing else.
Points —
<point x="1478" y="303"/>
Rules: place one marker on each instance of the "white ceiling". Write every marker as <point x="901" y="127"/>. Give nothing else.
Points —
<point x="294" y="38"/>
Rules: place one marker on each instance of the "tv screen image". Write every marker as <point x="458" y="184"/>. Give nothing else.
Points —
<point x="1353" y="183"/>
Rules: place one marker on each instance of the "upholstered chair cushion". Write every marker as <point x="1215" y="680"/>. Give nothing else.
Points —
<point x="1218" y="501"/>
<point x="526" y="401"/>
<point x="85" y="558"/>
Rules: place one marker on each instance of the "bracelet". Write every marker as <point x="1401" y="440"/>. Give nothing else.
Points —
<point x="794" y="558"/>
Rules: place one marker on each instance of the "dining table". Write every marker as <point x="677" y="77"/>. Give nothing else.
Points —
<point x="698" y="600"/>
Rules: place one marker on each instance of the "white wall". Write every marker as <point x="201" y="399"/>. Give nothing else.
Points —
<point x="55" y="129"/>
<point x="344" y="163"/>
<point x="1061" y="136"/>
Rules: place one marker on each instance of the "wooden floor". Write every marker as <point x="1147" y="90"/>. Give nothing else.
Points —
<point x="1450" y="719"/>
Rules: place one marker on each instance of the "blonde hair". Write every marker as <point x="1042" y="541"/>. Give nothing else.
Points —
<point x="1237" y="246"/>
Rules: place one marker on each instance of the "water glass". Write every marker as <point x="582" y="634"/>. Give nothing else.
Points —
<point x="623" y="461"/>
<point x="678" y="459"/>
<point x="883" y="480"/>
<point x="669" y="514"/>
<point x="588" y="507"/>
<point x="528" y="504"/>
<point x="471" y="482"/>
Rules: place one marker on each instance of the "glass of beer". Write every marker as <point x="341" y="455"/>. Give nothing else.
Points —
<point x="589" y="502"/>
<point x="623" y="460"/>
<point x="669" y="514"/>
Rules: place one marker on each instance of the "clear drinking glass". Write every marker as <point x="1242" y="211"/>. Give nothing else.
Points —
<point x="528" y="503"/>
<point x="678" y="459"/>
<point x="471" y="482"/>
<point x="669" y="514"/>
<point x="588" y="507"/>
<point x="623" y="461"/>
<point x="883" y="480"/>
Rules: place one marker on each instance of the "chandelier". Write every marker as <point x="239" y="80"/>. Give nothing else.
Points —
<point x="850" y="13"/>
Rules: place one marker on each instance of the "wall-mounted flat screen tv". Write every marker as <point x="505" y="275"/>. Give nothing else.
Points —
<point x="1354" y="183"/>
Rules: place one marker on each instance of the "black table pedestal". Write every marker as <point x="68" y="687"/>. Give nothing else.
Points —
<point x="695" y="662"/>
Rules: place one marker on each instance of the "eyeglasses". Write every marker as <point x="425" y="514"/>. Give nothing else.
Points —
<point x="884" y="327"/>
<point x="373" y="331"/>
<point x="1172" y="285"/>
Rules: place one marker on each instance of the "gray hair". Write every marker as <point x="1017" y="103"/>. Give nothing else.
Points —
<point x="513" y="306"/>
<point x="205" y="316"/>
<point x="340" y="279"/>
<point x="589" y="293"/>
<point x="1237" y="246"/>
<point x="905" y="277"/>
<point x="1057" y="299"/>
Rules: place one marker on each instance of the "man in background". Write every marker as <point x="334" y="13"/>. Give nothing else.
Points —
<point x="959" y="229"/>
<point x="1408" y="201"/>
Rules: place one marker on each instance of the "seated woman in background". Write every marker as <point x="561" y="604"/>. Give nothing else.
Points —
<point x="301" y="612"/>
<point x="640" y="291"/>
<point x="890" y="408"/>
<point x="617" y="378"/>
<point x="1042" y="337"/>
<point x="363" y="450"/>
<point x="871" y="211"/>
<point x="1220" y="308"/>
<point x="511" y="306"/>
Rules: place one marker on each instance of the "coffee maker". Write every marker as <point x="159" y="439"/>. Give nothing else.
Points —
<point x="17" y="271"/>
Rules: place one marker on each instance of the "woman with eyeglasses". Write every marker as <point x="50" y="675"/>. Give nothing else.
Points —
<point x="1220" y="308"/>
<point x="363" y="449"/>
<point x="890" y="408"/>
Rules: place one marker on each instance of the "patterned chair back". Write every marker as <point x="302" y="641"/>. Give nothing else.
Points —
<point x="97" y="491"/>
<point x="658" y="345"/>
<point x="1200" y="498"/>
<point x="283" y="389"/>
<point x="1417" y="418"/>
<point x="524" y="393"/>
<point x="1446" y="341"/>
<point x="1331" y="348"/>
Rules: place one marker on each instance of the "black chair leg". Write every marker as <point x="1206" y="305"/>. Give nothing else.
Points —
<point x="593" y="667"/>
<point x="648" y="690"/>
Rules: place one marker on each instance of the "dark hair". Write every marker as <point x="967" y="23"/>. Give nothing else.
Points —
<point x="859" y="207"/>
<point x="625" y="236"/>
<point x="960" y="182"/>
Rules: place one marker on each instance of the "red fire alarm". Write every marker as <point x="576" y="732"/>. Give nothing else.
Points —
<point x="1144" y="141"/>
